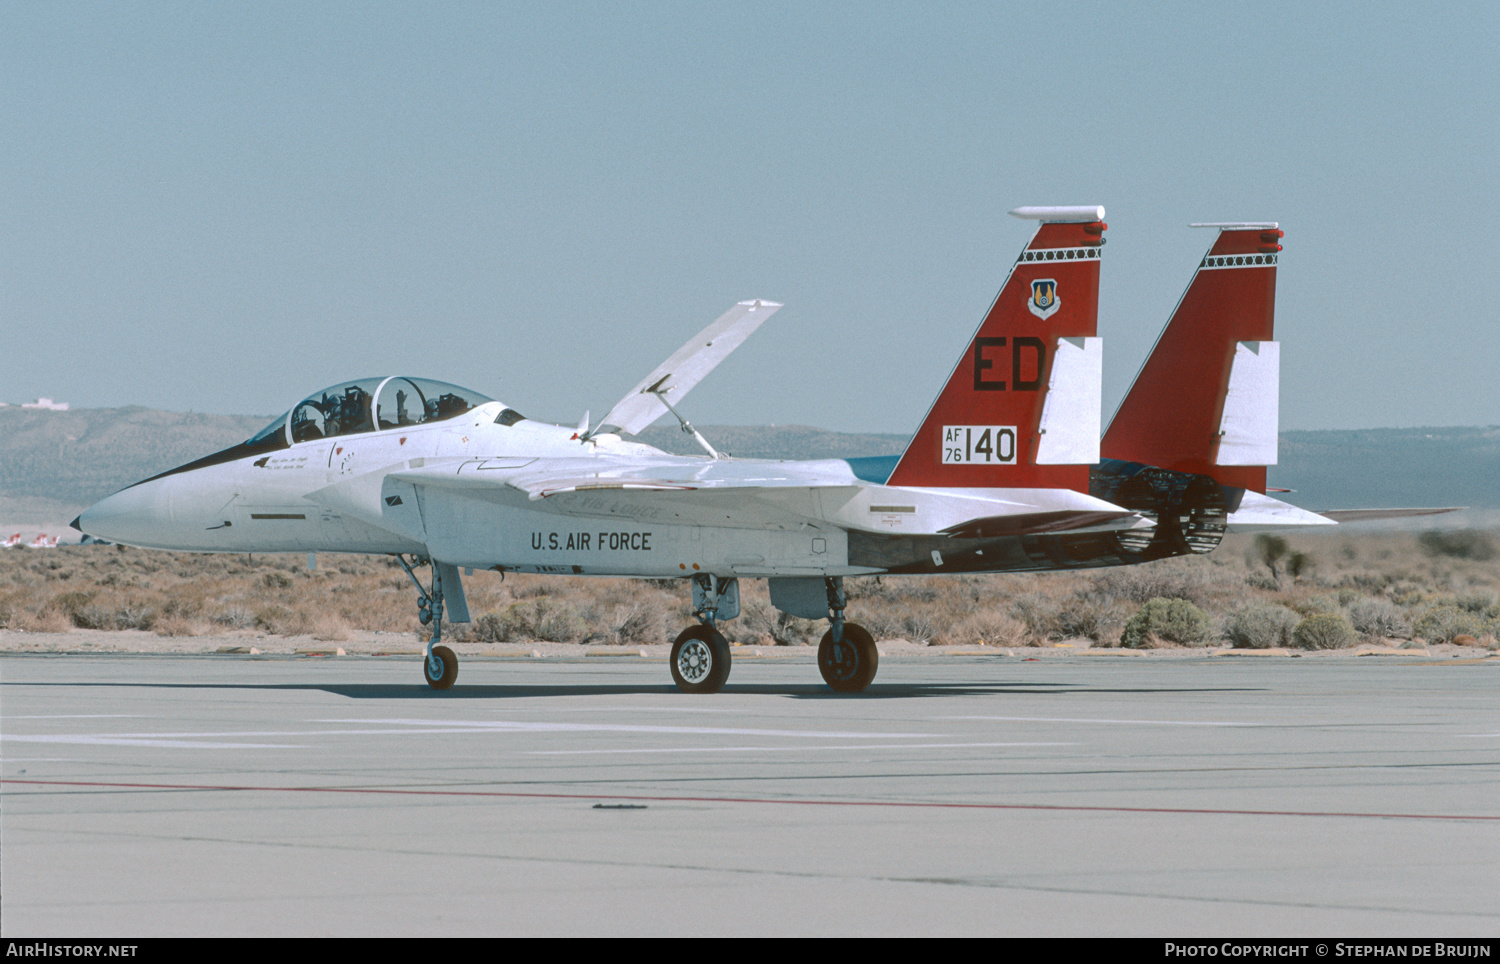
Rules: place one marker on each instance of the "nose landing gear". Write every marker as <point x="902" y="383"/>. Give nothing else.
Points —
<point x="440" y="664"/>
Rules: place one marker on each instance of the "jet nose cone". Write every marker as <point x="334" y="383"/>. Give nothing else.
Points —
<point x="139" y="516"/>
<point x="74" y="524"/>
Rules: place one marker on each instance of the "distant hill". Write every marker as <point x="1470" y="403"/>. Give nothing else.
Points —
<point x="1388" y="467"/>
<point x="74" y="458"/>
<point x="83" y="454"/>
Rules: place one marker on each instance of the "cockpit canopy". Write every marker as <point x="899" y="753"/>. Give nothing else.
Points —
<point x="367" y="405"/>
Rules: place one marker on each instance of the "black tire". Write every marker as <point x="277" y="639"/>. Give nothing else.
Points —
<point x="450" y="668"/>
<point x="700" y="660"/>
<point x="848" y="667"/>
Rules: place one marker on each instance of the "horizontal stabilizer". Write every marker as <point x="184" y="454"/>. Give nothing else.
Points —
<point x="687" y="366"/>
<point x="1257" y="512"/>
<point x="1365" y="515"/>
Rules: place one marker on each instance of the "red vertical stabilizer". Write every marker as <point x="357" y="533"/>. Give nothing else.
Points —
<point x="1179" y="414"/>
<point x="1021" y="408"/>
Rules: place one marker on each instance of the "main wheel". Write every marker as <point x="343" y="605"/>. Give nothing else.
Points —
<point x="700" y="660"/>
<point x="849" y="665"/>
<point x="449" y="665"/>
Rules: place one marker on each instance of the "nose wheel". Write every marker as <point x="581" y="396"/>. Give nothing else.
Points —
<point x="848" y="665"/>
<point x="440" y="668"/>
<point x="700" y="660"/>
<point x="439" y="664"/>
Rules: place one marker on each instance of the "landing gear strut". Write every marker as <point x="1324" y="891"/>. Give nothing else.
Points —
<point x="847" y="656"/>
<point x="700" y="654"/>
<point x="439" y="665"/>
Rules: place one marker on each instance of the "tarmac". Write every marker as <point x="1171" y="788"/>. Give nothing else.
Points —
<point x="994" y="794"/>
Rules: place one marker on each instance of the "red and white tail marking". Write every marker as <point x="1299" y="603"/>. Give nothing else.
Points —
<point x="1021" y="408"/>
<point x="1206" y="399"/>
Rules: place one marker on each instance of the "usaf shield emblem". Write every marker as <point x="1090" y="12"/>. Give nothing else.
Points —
<point x="1044" y="300"/>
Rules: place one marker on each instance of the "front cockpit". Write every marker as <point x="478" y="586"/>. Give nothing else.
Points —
<point x="374" y="404"/>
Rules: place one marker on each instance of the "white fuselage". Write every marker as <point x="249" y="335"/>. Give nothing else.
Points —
<point x="533" y="497"/>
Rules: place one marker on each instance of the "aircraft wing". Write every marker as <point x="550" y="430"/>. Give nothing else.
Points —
<point x="756" y="494"/>
<point x="686" y="367"/>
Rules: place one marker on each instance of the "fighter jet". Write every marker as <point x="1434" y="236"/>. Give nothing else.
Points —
<point x="13" y="540"/>
<point x="1004" y="474"/>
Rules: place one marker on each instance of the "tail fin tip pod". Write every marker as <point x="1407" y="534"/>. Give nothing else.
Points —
<point x="1206" y="399"/>
<point x="1021" y="407"/>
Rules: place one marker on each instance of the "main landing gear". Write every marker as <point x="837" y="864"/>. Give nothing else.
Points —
<point x="700" y="660"/>
<point x="439" y="665"/>
<point x="700" y="654"/>
<point x="847" y="656"/>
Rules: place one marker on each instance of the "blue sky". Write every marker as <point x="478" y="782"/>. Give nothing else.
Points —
<point x="223" y="207"/>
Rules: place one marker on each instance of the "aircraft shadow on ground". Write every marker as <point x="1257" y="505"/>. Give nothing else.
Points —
<point x="808" y="691"/>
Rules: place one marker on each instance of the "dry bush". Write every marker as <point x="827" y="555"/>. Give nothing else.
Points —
<point x="1174" y="620"/>
<point x="1380" y="619"/>
<point x="1261" y="626"/>
<point x="1440" y="623"/>
<point x="1193" y="579"/>
<point x="1460" y="544"/>
<point x="177" y="625"/>
<point x="44" y="621"/>
<point x="1324" y="631"/>
<point x="988" y="627"/>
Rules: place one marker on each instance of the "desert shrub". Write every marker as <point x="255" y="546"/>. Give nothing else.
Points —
<point x="1090" y="617"/>
<point x="1478" y="603"/>
<point x="135" y="617"/>
<point x="276" y="580"/>
<point x="177" y="626"/>
<point x="71" y="603"/>
<point x="1407" y="595"/>
<point x="921" y="627"/>
<point x="1458" y="544"/>
<point x="761" y="618"/>
<point x="1379" y="617"/>
<point x="1270" y="550"/>
<point x="642" y="622"/>
<point x="274" y="619"/>
<point x="1365" y="581"/>
<point x="234" y="617"/>
<point x="989" y="627"/>
<point x="1261" y="626"/>
<point x="93" y="617"/>
<point x="1175" y="620"/>
<point x="1041" y="614"/>
<point x="1324" y="631"/>
<point x="1318" y="605"/>
<point x="1162" y="580"/>
<point x="541" y="618"/>
<point x="1442" y="622"/>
